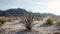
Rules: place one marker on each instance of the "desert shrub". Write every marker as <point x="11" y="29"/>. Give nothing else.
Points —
<point x="58" y="23"/>
<point x="15" y="18"/>
<point x="10" y="20"/>
<point x="37" y="18"/>
<point x="56" y="33"/>
<point x="2" y="20"/>
<point x="49" y="21"/>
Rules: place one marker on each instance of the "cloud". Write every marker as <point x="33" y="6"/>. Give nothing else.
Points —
<point x="53" y="7"/>
<point x="41" y="3"/>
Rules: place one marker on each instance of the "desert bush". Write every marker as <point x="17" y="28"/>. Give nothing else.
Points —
<point x="56" y="33"/>
<point x="15" y="18"/>
<point x="58" y="23"/>
<point x="2" y="20"/>
<point x="37" y="18"/>
<point x="28" y="20"/>
<point x="49" y="21"/>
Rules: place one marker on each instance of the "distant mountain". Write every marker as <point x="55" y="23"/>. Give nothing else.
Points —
<point x="45" y="14"/>
<point x="21" y="12"/>
<point x="13" y="12"/>
<point x="2" y="13"/>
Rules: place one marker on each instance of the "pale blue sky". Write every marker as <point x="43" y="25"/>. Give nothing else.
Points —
<point x="25" y="4"/>
<point x="40" y="6"/>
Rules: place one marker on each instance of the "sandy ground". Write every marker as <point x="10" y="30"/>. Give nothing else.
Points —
<point x="17" y="28"/>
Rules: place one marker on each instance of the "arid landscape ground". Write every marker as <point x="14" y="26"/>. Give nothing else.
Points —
<point x="15" y="27"/>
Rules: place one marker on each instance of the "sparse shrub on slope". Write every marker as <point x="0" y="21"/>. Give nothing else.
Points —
<point x="49" y="21"/>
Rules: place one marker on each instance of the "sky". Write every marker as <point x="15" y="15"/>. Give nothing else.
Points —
<point x="39" y="6"/>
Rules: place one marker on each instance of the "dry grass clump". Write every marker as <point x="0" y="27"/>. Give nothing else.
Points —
<point x="56" y="33"/>
<point x="3" y="20"/>
<point x="15" y="18"/>
<point x="37" y="18"/>
<point x="49" y="21"/>
<point x="58" y="23"/>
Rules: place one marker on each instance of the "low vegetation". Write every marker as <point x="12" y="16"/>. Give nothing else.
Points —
<point x="58" y="23"/>
<point x="28" y="20"/>
<point x="2" y="20"/>
<point x="21" y="19"/>
<point x="37" y="18"/>
<point x="50" y="21"/>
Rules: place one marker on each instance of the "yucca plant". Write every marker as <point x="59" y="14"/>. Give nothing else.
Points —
<point x="28" y="20"/>
<point x="22" y="19"/>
